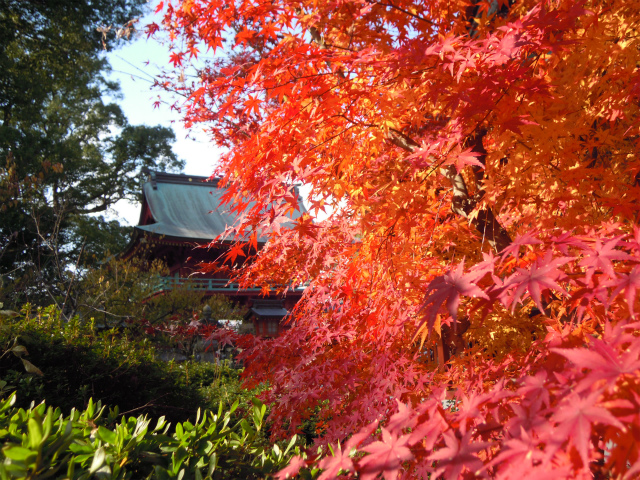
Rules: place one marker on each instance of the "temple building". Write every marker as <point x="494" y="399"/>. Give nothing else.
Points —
<point x="181" y="213"/>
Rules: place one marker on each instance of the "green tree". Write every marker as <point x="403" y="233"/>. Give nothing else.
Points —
<point x="68" y="152"/>
<point x="117" y="290"/>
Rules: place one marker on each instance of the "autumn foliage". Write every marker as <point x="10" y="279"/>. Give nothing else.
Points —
<point x="473" y="273"/>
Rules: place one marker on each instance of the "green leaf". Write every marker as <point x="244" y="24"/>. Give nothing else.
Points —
<point x="35" y="433"/>
<point x="71" y="468"/>
<point x="161" y="423"/>
<point x="30" y="367"/>
<point x="98" y="460"/>
<point x="19" y="454"/>
<point x="47" y="425"/>
<point x="106" y="435"/>
<point x="213" y="463"/>
<point x="90" y="408"/>
<point x="292" y="442"/>
<point x="19" y="350"/>
<point x="8" y="403"/>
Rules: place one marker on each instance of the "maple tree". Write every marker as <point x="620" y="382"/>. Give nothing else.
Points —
<point x="476" y="167"/>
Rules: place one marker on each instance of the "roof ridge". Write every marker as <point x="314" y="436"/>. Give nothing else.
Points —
<point x="155" y="177"/>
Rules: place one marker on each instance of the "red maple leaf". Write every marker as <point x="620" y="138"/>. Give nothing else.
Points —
<point x="513" y="123"/>
<point x="235" y="252"/>
<point x="448" y="288"/>
<point x="176" y="58"/>
<point x="385" y="457"/>
<point x="252" y="103"/>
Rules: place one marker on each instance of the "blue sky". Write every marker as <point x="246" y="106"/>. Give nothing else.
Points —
<point x="134" y="64"/>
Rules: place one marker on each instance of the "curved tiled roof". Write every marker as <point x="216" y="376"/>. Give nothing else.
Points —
<point x="186" y="207"/>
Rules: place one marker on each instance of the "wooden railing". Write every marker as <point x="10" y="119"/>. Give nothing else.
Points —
<point x="202" y="285"/>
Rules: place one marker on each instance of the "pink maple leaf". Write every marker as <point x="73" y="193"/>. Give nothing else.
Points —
<point x="359" y="437"/>
<point x="629" y="283"/>
<point x="385" y="457"/>
<point x="600" y="257"/>
<point x="468" y="410"/>
<point x="291" y="470"/>
<point x="521" y="240"/>
<point x="428" y="432"/>
<point x="487" y="265"/>
<point x="534" y="387"/>
<point x="574" y="420"/>
<point x="341" y="458"/>
<point x="404" y="418"/>
<point x="333" y="464"/>
<point x="457" y="455"/>
<point x="634" y="243"/>
<point x="541" y="276"/>
<point x="447" y="45"/>
<point x="530" y="416"/>
<point x="505" y="49"/>
<point x="464" y="158"/>
<point x="566" y="240"/>
<point x="519" y="450"/>
<point x="604" y="361"/>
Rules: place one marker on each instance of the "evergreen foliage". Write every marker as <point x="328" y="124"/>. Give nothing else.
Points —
<point x="76" y="360"/>
<point x="42" y="442"/>
<point x="65" y="151"/>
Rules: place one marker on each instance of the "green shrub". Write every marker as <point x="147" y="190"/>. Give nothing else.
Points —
<point x="116" y="366"/>
<point x="40" y="442"/>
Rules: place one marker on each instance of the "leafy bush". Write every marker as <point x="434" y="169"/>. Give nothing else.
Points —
<point x="118" y="367"/>
<point x="40" y="442"/>
<point x="118" y="290"/>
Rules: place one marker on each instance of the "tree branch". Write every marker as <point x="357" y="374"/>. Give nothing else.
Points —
<point x="485" y="222"/>
<point x="463" y="204"/>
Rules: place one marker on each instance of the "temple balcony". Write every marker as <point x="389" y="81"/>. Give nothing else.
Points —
<point x="204" y="285"/>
